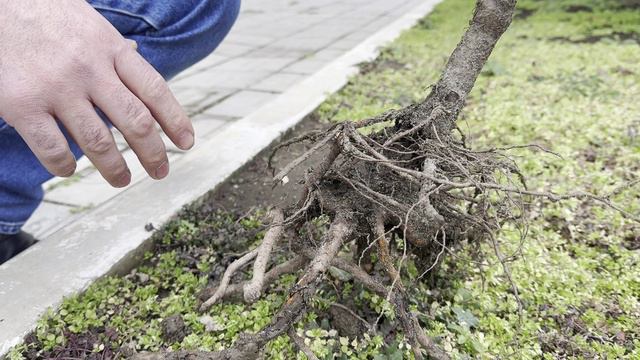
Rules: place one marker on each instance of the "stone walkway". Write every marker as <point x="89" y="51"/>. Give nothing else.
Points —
<point x="274" y="45"/>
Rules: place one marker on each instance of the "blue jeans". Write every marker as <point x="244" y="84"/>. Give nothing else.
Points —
<point x="171" y="34"/>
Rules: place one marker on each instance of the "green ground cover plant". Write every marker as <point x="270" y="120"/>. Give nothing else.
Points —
<point x="565" y="76"/>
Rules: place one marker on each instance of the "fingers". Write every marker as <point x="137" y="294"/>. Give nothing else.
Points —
<point x="96" y="141"/>
<point x="44" y="138"/>
<point x="149" y="86"/>
<point x="135" y="122"/>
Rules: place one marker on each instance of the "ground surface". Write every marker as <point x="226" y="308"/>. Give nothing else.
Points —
<point x="566" y="76"/>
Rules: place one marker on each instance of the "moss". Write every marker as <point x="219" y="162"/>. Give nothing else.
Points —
<point x="566" y="76"/>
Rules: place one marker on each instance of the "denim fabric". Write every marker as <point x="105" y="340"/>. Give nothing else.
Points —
<point x="171" y="34"/>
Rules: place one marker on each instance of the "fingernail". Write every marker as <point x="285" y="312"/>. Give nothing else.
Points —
<point x="124" y="179"/>
<point x="186" y="140"/>
<point x="162" y="171"/>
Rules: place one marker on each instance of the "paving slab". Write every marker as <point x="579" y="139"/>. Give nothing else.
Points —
<point x="204" y="64"/>
<point x="51" y="217"/>
<point x="257" y="63"/>
<point x="197" y="99"/>
<point x="82" y="243"/>
<point x="231" y="50"/>
<point x="242" y="103"/>
<point x="252" y="40"/>
<point x="307" y="66"/>
<point x="304" y="42"/>
<point x="227" y="79"/>
<point x="205" y="124"/>
<point x="92" y="190"/>
<point x="276" y="51"/>
<point x="278" y="82"/>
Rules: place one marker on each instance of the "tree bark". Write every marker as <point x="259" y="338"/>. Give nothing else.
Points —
<point x="491" y="19"/>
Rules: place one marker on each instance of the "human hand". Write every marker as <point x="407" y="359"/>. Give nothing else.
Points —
<point x="59" y="59"/>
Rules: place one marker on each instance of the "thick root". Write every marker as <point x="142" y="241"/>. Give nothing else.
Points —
<point x="253" y="289"/>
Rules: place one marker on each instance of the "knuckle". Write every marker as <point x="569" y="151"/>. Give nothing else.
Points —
<point x="43" y="140"/>
<point x="81" y="68"/>
<point x="97" y="141"/>
<point x="139" y="122"/>
<point x="68" y="169"/>
<point x="57" y="155"/>
<point x="115" y="169"/>
<point x="52" y="151"/>
<point x="156" y="162"/>
<point x="160" y="153"/>
<point x="155" y="156"/>
<point x="16" y="95"/>
<point x="78" y="64"/>
<point x="27" y="101"/>
<point x="157" y="88"/>
<point x="61" y="161"/>
<point x="142" y="124"/>
<point x="119" y="170"/>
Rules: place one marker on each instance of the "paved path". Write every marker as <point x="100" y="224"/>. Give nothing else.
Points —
<point x="274" y="45"/>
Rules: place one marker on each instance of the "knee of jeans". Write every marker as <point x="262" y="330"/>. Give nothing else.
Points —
<point x="190" y="36"/>
<point x="217" y="19"/>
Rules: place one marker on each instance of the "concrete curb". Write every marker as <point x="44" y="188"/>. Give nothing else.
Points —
<point x="108" y="238"/>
